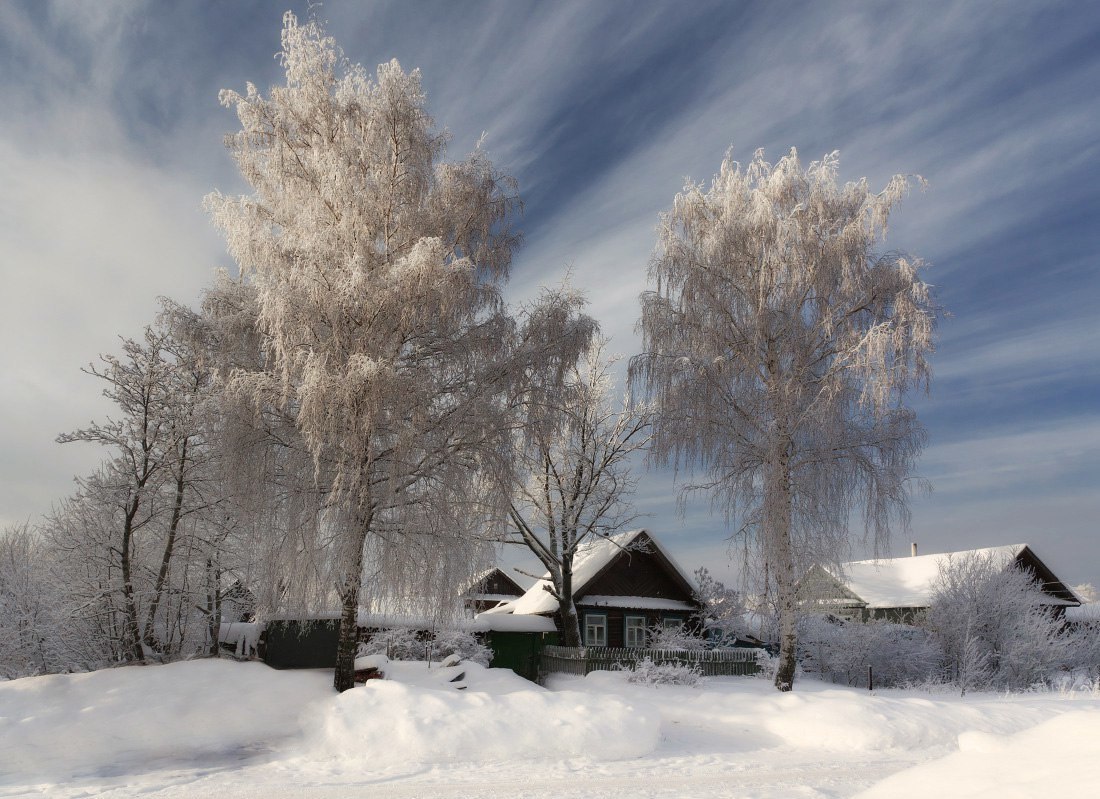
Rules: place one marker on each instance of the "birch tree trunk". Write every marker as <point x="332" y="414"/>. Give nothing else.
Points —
<point x="344" y="676"/>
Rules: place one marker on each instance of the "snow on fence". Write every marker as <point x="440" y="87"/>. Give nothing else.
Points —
<point x="711" y="662"/>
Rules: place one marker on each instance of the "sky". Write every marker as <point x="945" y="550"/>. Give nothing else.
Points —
<point x="111" y="135"/>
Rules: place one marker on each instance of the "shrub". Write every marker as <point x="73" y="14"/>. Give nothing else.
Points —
<point x="397" y="643"/>
<point x="457" y="642"/>
<point x="646" y="672"/>
<point x="840" y="651"/>
<point x="996" y="628"/>
<point x="674" y="638"/>
<point x="405" y="644"/>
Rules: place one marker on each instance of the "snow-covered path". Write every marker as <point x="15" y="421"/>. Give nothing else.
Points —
<point x="212" y="728"/>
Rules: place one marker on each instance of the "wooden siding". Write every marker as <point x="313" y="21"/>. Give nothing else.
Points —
<point x="497" y="582"/>
<point x="646" y="574"/>
<point x="616" y="620"/>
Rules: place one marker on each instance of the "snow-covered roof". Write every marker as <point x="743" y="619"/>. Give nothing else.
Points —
<point x="592" y="557"/>
<point x="907" y="582"/>
<point x="501" y="622"/>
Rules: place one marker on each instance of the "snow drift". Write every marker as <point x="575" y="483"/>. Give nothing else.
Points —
<point x="419" y="717"/>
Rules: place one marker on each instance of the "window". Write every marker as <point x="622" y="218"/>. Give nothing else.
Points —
<point x="672" y="622"/>
<point x="634" y="631"/>
<point x="595" y="629"/>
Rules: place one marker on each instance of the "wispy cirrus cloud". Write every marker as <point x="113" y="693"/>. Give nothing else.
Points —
<point x="112" y="134"/>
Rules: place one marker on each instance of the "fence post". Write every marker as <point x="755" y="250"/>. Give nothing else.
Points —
<point x="870" y="678"/>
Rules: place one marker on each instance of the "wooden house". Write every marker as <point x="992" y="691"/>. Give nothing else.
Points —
<point x="624" y="585"/>
<point x="490" y="589"/>
<point x="899" y="589"/>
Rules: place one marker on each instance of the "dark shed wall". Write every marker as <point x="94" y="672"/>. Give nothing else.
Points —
<point x="294" y="644"/>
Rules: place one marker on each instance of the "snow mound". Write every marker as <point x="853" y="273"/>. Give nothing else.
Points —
<point x="420" y="717"/>
<point x="820" y="716"/>
<point x="1059" y="755"/>
<point x="140" y="718"/>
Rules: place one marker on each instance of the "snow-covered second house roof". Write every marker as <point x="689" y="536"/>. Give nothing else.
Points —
<point x="594" y="560"/>
<point x="908" y="582"/>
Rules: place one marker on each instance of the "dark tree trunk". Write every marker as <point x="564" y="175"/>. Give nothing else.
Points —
<point x="213" y="608"/>
<point x="344" y="677"/>
<point x="131" y="633"/>
<point x="169" y="546"/>
<point x="779" y="518"/>
<point x="570" y="624"/>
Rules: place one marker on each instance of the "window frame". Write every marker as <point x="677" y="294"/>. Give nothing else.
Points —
<point x="637" y="629"/>
<point x="590" y="622"/>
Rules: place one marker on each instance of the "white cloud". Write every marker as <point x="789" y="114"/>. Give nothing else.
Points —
<point x="88" y="244"/>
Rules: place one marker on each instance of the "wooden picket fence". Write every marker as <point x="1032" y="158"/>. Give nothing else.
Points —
<point x="583" y="660"/>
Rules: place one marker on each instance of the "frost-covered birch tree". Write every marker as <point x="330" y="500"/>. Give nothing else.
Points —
<point x="778" y="345"/>
<point x="572" y="450"/>
<point x="377" y="267"/>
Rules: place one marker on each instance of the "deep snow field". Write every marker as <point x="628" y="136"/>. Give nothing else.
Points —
<point x="221" y="728"/>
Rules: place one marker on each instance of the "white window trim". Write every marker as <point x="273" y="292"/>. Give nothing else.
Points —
<point x="589" y="620"/>
<point x="640" y="627"/>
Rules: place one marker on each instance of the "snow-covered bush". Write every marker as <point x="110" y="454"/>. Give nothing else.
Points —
<point x="457" y="642"/>
<point x="996" y="627"/>
<point x="647" y="672"/>
<point x="674" y="638"/>
<point x="405" y="644"/>
<point x="841" y="651"/>
<point x="397" y="643"/>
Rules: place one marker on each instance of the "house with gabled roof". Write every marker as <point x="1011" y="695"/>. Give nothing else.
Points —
<point x="624" y="584"/>
<point x="898" y="589"/>
<point x="489" y="589"/>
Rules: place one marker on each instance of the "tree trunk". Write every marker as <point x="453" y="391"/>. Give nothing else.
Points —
<point x="166" y="558"/>
<point x="131" y="633"/>
<point x="778" y="520"/>
<point x="344" y="677"/>
<point x="213" y="608"/>
<point x="570" y="624"/>
<point x="567" y="611"/>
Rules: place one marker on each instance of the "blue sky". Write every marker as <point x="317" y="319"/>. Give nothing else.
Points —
<point x="110" y="135"/>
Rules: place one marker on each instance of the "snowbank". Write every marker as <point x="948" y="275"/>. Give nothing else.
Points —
<point x="417" y="716"/>
<point x="821" y="716"/>
<point x="139" y="718"/>
<point x="206" y="713"/>
<point x="224" y="728"/>
<point x="1061" y="754"/>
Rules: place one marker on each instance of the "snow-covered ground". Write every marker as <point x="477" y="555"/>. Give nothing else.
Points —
<point x="222" y="728"/>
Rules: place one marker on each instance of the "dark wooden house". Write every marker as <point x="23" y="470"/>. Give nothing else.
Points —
<point x="624" y="585"/>
<point x="900" y="589"/>
<point x="490" y="589"/>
